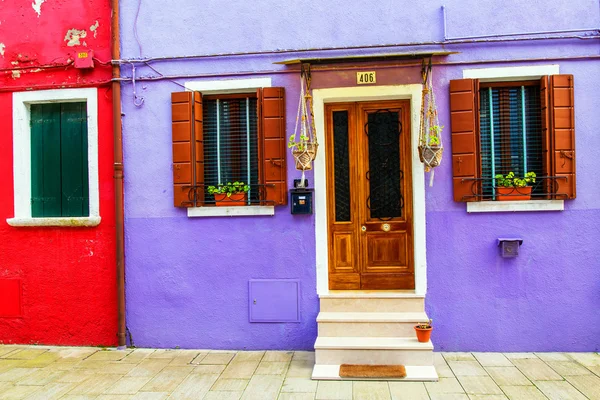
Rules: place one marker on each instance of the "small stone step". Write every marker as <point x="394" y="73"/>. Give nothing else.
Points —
<point x="372" y="343"/>
<point x="372" y="350"/>
<point x="380" y="303"/>
<point x="375" y="317"/>
<point x="370" y="294"/>
<point x="366" y="324"/>
<point x="413" y="373"/>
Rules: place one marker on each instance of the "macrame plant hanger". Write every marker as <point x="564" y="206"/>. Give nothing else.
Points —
<point x="304" y="147"/>
<point x="430" y="135"/>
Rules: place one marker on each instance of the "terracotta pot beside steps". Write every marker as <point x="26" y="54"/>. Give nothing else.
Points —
<point x="423" y="334"/>
<point x="513" y="193"/>
<point x="236" y="199"/>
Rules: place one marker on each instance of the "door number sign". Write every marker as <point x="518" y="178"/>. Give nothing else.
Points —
<point x="364" y="78"/>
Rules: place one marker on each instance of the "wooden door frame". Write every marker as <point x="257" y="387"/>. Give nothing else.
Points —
<point x="410" y="92"/>
<point x="346" y="236"/>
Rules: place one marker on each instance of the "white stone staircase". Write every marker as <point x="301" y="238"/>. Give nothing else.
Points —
<point x="372" y="327"/>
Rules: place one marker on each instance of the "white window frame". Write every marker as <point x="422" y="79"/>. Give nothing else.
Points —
<point x="22" y="155"/>
<point x="511" y="74"/>
<point x="229" y="86"/>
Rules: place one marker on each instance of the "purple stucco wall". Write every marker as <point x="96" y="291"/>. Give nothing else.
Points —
<point x="187" y="278"/>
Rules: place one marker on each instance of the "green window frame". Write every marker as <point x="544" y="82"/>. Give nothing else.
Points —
<point x="59" y="160"/>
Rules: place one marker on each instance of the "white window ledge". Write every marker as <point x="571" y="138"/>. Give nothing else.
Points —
<point x="236" y="211"/>
<point x="515" y="206"/>
<point x="58" y="221"/>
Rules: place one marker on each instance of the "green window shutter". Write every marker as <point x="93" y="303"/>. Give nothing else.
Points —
<point x="46" y="191"/>
<point x="74" y="160"/>
<point x="37" y="160"/>
<point x="59" y="162"/>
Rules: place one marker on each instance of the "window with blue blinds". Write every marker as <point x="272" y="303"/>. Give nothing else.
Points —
<point x="510" y="133"/>
<point x="59" y="160"/>
<point x="231" y="143"/>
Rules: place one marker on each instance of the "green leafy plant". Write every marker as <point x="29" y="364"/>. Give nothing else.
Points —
<point x="425" y="325"/>
<point x="510" y="180"/>
<point x="228" y="188"/>
<point x="299" y="145"/>
<point x="435" y="132"/>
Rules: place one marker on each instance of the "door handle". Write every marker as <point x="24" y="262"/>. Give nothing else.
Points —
<point x="363" y="228"/>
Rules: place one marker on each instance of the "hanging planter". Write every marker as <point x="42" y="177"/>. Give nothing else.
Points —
<point x="303" y="143"/>
<point x="430" y="155"/>
<point x="430" y="148"/>
<point x="430" y="136"/>
<point x="305" y="155"/>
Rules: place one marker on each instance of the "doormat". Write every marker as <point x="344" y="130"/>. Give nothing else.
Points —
<point x="372" y="371"/>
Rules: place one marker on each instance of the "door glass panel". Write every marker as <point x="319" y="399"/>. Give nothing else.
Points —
<point x="383" y="130"/>
<point x="341" y="166"/>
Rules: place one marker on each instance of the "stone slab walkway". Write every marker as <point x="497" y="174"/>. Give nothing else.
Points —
<point x="78" y="373"/>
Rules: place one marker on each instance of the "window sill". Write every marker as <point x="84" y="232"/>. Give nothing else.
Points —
<point x="59" y="221"/>
<point x="235" y="211"/>
<point x="515" y="206"/>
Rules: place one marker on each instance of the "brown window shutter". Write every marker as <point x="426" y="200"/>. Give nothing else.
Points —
<point x="199" y="150"/>
<point x="562" y="133"/>
<point x="546" y="137"/>
<point x="464" y="121"/>
<point x="186" y="115"/>
<point x="271" y="116"/>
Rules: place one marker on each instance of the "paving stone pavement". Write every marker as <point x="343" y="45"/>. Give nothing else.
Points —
<point x="81" y="373"/>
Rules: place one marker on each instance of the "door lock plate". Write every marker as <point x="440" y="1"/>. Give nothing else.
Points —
<point x="385" y="227"/>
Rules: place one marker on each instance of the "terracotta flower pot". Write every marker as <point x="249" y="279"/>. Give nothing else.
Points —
<point x="236" y="199"/>
<point x="513" y="193"/>
<point x="423" y="334"/>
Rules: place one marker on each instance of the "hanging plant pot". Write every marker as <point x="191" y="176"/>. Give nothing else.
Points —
<point x="304" y="158"/>
<point x="430" y="131"/>
<point x="303" y="142"/>
<point x="236" y="199"/>
<point x="431" y="156"/>
<point x="513" y="193"/>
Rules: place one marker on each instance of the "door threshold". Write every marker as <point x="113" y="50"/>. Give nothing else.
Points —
<point x="372" y="294"/>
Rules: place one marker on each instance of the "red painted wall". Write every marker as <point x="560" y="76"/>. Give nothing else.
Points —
<point x="62" y="281"/>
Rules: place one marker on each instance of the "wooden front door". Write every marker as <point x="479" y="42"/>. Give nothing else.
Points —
<point x="369" y="195"/>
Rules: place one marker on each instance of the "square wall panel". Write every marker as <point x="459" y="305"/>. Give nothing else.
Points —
<point x="10" y="298"/>
<point x="274" y="300"/>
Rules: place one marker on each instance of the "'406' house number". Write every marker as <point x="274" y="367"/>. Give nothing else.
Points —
<point x="363" y="78"/>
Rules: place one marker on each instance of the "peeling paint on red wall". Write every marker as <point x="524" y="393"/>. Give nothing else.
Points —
<point x="67" y="291"/>
<point x="46" y="33"/>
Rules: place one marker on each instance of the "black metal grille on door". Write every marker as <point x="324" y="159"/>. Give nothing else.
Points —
<point x="383" y="129"/>
<point x="341" y="161"/>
